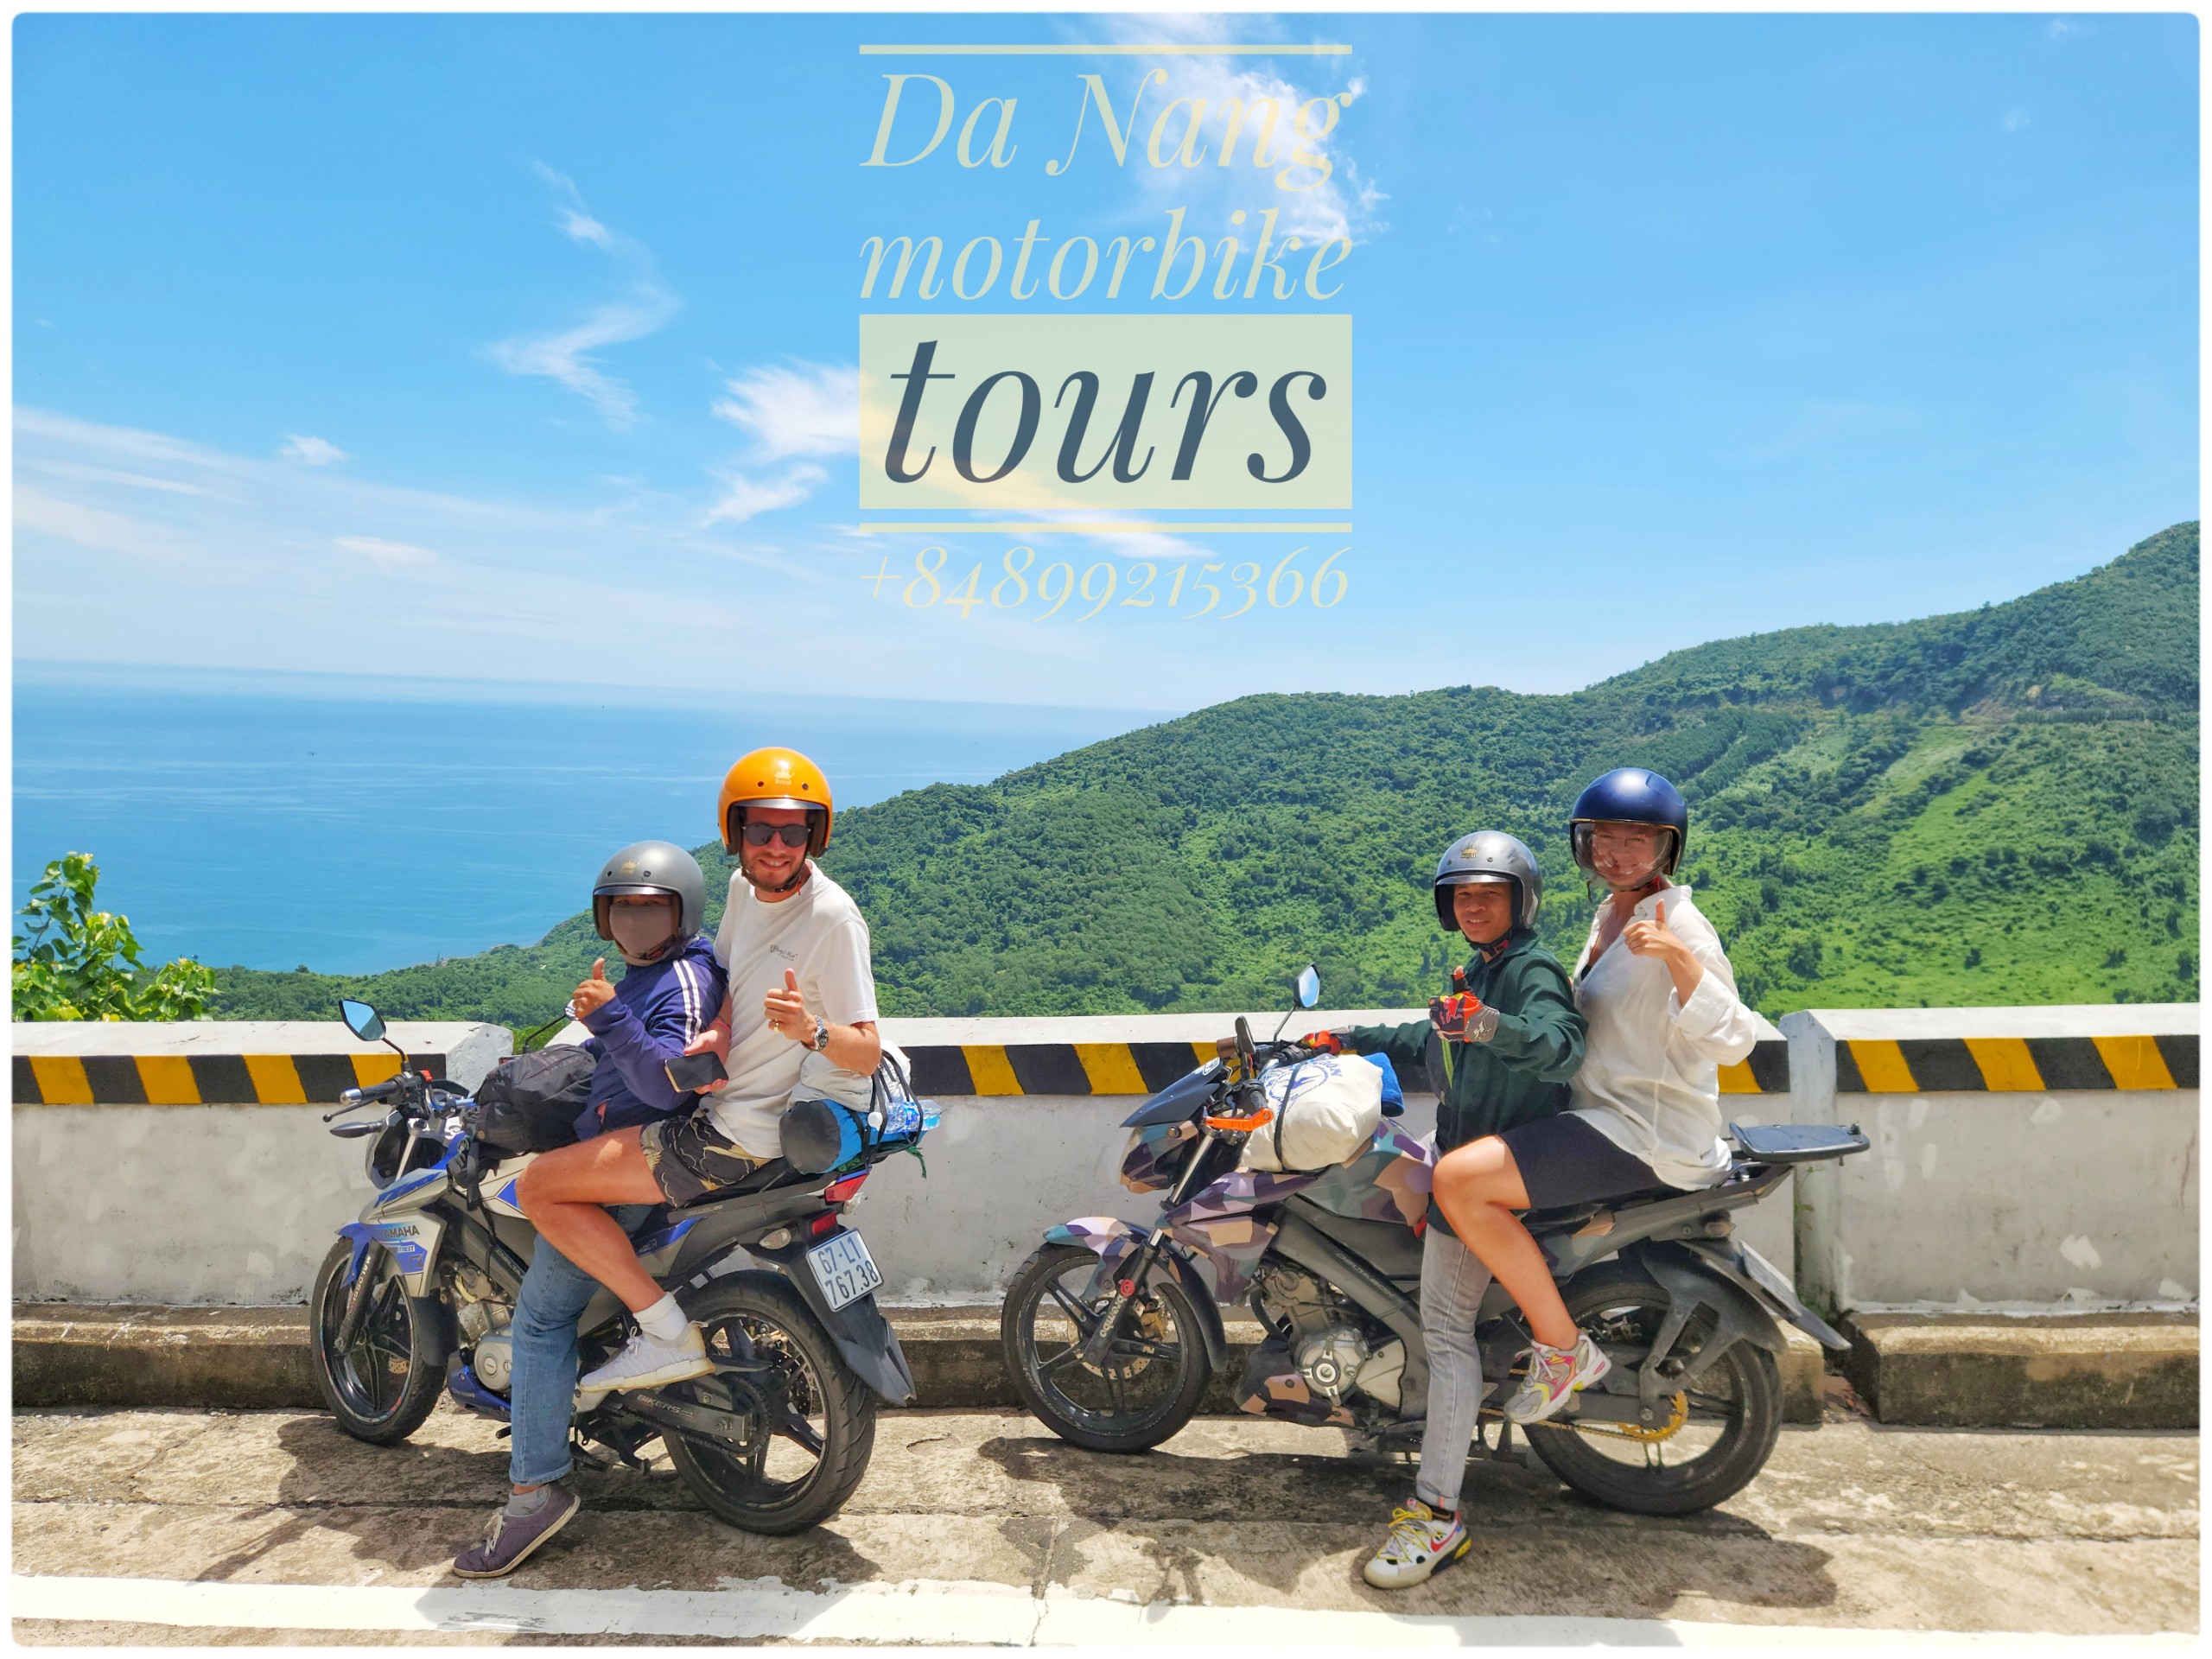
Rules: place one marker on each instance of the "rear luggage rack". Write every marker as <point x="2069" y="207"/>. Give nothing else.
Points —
<point x="1796" y="1143"/>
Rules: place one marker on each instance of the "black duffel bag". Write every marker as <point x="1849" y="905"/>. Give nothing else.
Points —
<point x="531" y="1102"/>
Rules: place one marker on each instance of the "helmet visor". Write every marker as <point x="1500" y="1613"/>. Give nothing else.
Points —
<point x="609" y="917"/>
<point x="1624" y="856"/>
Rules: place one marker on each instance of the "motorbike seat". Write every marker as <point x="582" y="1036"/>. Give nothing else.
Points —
<point x="773" y="1174"/>
<point x="1565" y="1218"/>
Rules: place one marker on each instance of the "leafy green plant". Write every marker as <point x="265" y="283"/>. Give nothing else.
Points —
<point x="75" y="963"/>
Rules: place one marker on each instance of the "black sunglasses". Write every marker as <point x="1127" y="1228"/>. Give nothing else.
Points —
<point x="792" y="835"/>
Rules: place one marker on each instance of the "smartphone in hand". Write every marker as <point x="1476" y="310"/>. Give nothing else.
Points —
<point x="692" y="1072"/>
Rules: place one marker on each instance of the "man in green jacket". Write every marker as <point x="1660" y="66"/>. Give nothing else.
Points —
<point x="1508" y="1037"/>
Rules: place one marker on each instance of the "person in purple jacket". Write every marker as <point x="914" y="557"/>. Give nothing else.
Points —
<point x="649" y="903"/>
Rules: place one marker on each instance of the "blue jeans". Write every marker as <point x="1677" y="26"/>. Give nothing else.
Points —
<point x="555" y="1292"/>
<point x="1452" y="1283"/>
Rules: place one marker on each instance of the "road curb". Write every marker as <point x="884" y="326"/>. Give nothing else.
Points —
<point x="256" y="1359"/>
<point x="2103" y="1370"/>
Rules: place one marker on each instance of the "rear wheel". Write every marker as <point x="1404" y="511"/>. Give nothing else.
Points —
<point x="1716" y="1435"/>
<point x="805" y="1424"/>
<point x="1155" y="1371"/>
<point x="383" y="1383"/>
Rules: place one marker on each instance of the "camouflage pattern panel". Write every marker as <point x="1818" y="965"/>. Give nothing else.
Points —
<point x="1110" y="1236"/>
<point x="1218" y="1222"/>
<point x="1232" y="1247"/>
<point x="1113" y="1239"/>
<point x="1273" y="1386"/>
<point x="1388" y="1182"/>
<point x="1145" y="1167"/>
<point x="1239" y="1191"/>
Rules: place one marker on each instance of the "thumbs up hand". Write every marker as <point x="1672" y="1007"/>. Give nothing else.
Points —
<point x="1655" y="937"/>
<point x="593" y="994"/>
<point x="786" y="1010"/>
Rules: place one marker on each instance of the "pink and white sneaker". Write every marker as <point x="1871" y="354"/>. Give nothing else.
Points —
<point x="1554" y="1374"/>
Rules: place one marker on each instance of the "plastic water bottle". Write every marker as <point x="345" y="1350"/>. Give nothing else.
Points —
<point x="901" y="1117"/>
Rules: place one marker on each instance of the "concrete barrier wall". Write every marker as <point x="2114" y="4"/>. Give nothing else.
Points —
<point x="184" y="1163"/>
<point x="2030" y="1158"/>
<point x="135" y="1181"/>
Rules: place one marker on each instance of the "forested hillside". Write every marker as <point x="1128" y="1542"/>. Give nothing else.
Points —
<point x="1996" y="806"/>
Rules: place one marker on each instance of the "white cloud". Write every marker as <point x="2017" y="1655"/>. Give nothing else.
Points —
<point x="78" y="472"/>
<point x="97" y="528"/>
<point x="565" y="356"/>
<point x="745" y="497"/>
<point x="311" y="452"/>
<point x="383" y="552"/>
<point x="2060" y="28"/>
<point x="2016" y="119"/>
<point x="808" y="409"/>
<point x="1344" y="204"/>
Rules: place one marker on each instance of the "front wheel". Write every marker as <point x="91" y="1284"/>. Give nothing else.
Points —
<point x="383" y="1383"/>
<point x="1153" y="1375"/>
<point x="1717" y="1434"/>
<point x="806" y="1424"/>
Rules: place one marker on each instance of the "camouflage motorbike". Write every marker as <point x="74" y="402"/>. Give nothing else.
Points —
<point x="1113" y="1333"/>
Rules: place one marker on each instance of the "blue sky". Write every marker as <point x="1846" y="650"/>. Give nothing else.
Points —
<point x="516" y="347"/>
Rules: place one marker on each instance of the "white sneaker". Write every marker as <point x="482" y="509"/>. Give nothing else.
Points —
<point x="646" y="1363"/>
<point x="1555" y="1376"/>
<point x="1421" y="1540"/>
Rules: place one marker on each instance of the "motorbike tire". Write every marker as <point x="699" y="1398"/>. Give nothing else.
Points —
<point x="359" y="1386"/>
<point x="763" y="1307"/>
<point x="1711" y="1476"/>
<point x="1107" y="1431"/>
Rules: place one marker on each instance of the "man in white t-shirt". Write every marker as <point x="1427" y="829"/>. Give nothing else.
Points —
<point x="800" y="982"/>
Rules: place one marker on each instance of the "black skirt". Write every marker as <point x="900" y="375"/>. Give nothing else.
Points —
<point x="1565" y="1160"/>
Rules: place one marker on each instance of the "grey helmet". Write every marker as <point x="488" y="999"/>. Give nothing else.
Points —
<point x="1489" y="855"/>
<point x="653" y="867"/>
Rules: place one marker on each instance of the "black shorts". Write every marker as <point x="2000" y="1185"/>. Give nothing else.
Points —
<point x="1564" y="1159"/>
<point x="690" y="1157"/>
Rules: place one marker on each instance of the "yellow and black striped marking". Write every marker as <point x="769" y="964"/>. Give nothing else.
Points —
<point x="196" y="1079"/>
<point x="1767" y="1071"/>
<point x="2011" y="1064"/>
<point x="1053" y="1068"/>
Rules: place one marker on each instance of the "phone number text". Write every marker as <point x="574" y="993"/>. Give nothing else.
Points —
<point x="1140" y="584"/>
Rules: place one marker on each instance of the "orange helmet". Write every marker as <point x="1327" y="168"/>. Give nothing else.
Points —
<point x="776" y="778"/>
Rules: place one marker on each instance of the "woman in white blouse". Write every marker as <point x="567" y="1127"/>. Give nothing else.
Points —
<point x="1645" y="1111"/>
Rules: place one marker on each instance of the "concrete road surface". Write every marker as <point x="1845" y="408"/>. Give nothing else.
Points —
<point x="177" y="1526"/>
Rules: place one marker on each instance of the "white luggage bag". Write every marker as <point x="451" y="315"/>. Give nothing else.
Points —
<point x="1326" y="1109"/>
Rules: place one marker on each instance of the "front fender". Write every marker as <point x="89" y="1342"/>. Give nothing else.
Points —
<point x="411" y="1238"/>
<point x="1112" y="1240"/>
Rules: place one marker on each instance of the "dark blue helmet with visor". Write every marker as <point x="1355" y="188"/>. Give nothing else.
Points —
<point x="1630" y="795"/>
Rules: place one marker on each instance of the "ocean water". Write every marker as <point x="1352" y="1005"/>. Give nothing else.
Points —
<point x="349" y="825"/>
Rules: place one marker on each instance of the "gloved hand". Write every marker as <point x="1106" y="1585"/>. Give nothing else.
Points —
<point x="1462" y="1017"/>
<point x="1324" y="1042"/>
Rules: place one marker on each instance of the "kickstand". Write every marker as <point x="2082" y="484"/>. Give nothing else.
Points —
<point x="1505" y="1452"/>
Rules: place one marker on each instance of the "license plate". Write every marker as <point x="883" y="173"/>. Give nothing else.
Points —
<point x="844" y="1269"/>
<point x="1768" y="1277"/>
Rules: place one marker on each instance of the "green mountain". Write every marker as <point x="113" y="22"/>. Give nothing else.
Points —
<point x="1998" y="806"/>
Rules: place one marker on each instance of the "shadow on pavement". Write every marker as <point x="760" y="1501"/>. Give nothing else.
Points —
<point x="407" y="1507"/>
<point x="1548" y="1549"/>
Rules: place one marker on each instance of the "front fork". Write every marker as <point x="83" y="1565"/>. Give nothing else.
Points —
<point x="357" y="1298"/>
<point x="1133" y="1272"/>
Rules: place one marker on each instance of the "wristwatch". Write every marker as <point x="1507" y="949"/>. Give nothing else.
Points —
<point x="821" y="1044"/>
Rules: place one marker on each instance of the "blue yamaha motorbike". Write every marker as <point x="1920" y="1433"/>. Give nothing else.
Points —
<point x="417" y="1296"/>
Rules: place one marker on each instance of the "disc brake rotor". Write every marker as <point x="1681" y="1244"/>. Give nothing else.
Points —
<point x="1145" y="1320"/>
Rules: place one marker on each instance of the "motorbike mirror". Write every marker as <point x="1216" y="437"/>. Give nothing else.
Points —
<point x="363" y="1021"/>
<point x="1307" y="987"/>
